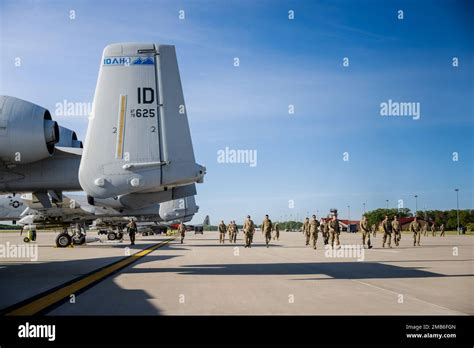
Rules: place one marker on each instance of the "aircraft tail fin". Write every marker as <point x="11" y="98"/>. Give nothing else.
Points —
<point x="206" y="221"/>
<point x="138" y="138"/>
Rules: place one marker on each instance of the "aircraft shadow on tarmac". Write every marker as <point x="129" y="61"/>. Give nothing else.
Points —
<point x="120" y="302"/>
<point x="32" y="278"/>
<point x="336" y="270"/>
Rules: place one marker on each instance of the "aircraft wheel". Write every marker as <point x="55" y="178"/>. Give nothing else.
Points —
<point x="63" y="240"/>
<point x="26" y="240"/>
<point x="79" y="241"/>
<point x="111" y="236"/>
<point x="145" y="234"/>
<point x="119" y="235"/>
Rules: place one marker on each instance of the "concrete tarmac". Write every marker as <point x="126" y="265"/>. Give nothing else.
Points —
<point x="202" y="277"/>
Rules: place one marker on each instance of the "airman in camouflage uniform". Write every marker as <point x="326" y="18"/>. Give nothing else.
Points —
<point x="374" y="230"/>
<point x="387" y="232"/>
<point x="306" y="230"/>
<point x="313" y="230"/>
<point x="231" y="231"/>
<point x="380" y="227"/>
<point x="249" y="229"/>
<point x="441" y="228"/>
<point x="222" y="231"/>
<point x="397" y="230"/>
<point x="433" y="230"/>
<point x="425" y="229"/>
<point x="182" y="231"/>
<point x="267" y="227"/>
<point x="132" y="230"/>
<point x="364" y="228"/>
<point x="324" y="226"/>
<point x="236" y="231"/>
<point x="334" y="231"/>
<point x="277" y="232"/>
<point x="415" y="227"/>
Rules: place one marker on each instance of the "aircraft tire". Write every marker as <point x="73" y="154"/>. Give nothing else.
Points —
<point x="111" y="236"/>
<point x="79" y="241"/>
<point x="119" y="235"/>
<point x="63" y="240"/>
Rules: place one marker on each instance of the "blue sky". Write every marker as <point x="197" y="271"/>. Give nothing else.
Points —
<point x="282" y="62"/>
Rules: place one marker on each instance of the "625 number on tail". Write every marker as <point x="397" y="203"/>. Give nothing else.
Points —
<point x="142" y="113"/>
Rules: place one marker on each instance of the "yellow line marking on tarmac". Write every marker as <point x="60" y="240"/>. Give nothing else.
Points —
<point x="53" y="297"/>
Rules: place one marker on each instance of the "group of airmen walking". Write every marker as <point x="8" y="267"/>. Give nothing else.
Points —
<point x="392" y="228"/>
<point x="329" y="228"/>
<point x="330" y="231"/>
<point x="248" y="229"/>
<point x="392" y="231"/>
<point x="231" y="229"/>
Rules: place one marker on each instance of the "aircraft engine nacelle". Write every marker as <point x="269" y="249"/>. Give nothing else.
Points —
<point x="27" y="132"/>
<point x="68" y="138"/>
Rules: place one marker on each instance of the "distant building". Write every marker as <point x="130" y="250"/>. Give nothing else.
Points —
<point x="405" y="222"/>
<point x="346" y="225"/>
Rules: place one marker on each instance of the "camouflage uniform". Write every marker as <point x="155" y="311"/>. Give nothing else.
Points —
<point x="441" y="228"/>
<point x="433" y="230"/>
<point x="374" y="230"/>
<point x="182" y="231"/>
<point x="235" y="230"/>
<point x="425" y="229"/>
<point x="313" y="230"/>
<point x="415" y="227"/>
<point x="132" y="229"/>
<point x="334" y="231"/>
<point x="380" y="227"/>
<point x="230" y="229"/>
<point x="325" y="231"/>
<point x="397" y="231"/>
<point x="306" y="230"/>
<point x="387" y="232"/>
<point x="249" y="229"/>
<point x="222" y="231"/>
<point x="364" y="228"/>
<point x="267" y="230"/>
<point x="277" y="232"/>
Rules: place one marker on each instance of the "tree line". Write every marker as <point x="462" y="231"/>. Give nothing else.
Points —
<point x="446" y="217"/>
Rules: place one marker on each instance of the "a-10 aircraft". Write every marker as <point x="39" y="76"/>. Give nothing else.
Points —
<point x="74" y="209"/>
<point x="138" y="150"/>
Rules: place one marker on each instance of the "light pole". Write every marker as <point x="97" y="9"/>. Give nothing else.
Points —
<point x="387" y="203"/>
<point x="457" y="205"/>
<point x="364" y="207"/>
<point x="416" y="204"/>
<point x="349" y="213"/>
